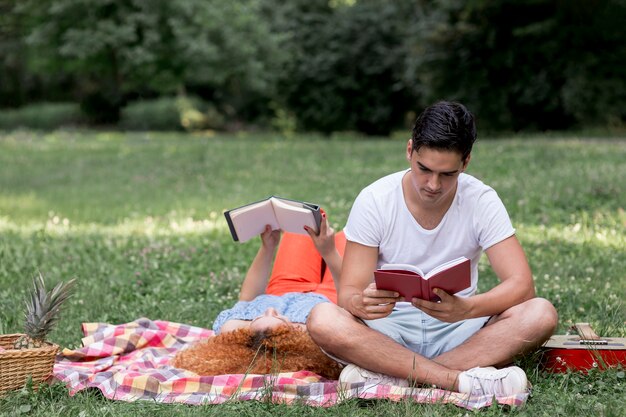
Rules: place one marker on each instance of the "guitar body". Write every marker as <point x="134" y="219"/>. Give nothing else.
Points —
<point x="561" y="353"/>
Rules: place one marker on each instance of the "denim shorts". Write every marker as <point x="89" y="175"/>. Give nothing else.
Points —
<point x="423" y="334"/>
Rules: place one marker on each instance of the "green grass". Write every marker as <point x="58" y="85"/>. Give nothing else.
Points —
<point x="137" y="219"/>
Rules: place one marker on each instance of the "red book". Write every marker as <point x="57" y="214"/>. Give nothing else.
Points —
<point x="410" y="282"/>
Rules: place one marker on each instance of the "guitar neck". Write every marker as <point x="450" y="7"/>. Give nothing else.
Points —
<point x="588" y="336"/>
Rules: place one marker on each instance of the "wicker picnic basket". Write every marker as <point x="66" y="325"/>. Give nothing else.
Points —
<point x="16" y="365"/>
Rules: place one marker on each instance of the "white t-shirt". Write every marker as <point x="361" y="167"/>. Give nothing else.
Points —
<point x="476" y="220"/>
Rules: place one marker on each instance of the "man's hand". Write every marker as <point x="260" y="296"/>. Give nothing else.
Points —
<point x="372" y="303"/>
<point x="450" y="309"/>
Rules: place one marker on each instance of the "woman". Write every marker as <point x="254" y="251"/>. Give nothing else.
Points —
<point x="265" y="331"/>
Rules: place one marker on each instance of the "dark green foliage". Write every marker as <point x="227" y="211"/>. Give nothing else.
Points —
<point x="157" y="114"/>
<point x="347" y="64"/>
<point x="323" y="65"/>
<point x="594" y="91"/>
<point x="11" y="60"/>
<point x="170" y="113"/>
<point x="544" y="64"/>
<point x="42" y="116"/>
<point x="118" y="50"/>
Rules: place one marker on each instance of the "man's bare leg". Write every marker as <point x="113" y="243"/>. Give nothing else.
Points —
<point x="524" y="327"/>
<point x="340" y="334"/>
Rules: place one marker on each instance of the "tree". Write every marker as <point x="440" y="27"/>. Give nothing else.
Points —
<point x="124" y="48"/>
<point x="516" y="63"/>
<point x="345" y="70"/>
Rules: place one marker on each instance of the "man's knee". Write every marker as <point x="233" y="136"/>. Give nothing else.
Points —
<point x="322" y="321"/>
<point x="548" y="314"/>
<point x="539" y="314"/>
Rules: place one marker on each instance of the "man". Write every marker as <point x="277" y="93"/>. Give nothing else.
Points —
<point x="425" y="216"/>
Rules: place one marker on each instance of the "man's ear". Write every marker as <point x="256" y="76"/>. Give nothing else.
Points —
<point x="409" y="149"/>
<point x="466" y="162"/>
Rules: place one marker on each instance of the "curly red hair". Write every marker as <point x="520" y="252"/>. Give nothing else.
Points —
<point x="283" y="349"/>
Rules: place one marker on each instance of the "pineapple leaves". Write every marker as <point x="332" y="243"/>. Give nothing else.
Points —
<point x="42" y="310"/>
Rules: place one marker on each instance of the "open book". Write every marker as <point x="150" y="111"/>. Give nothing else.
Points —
<point x="247" y="221"/>
<point x="410" y="282"/>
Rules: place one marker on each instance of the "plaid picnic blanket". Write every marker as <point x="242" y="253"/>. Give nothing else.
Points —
<point x="131" y="362"/>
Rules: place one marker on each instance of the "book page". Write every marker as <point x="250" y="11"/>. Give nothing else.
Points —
<point x="452" y="279"/>
<point x="286" y="202"/>
<point x="402" y="267"/>
<point x="445" y="266"/>
<point x="292" y="217"/>
<point x="250" y="220"/>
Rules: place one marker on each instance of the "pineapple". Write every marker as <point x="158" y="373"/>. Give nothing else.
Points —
<point x="42" y="313"/>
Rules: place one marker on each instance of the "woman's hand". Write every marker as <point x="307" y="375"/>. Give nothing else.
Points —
<point x="270" y="238"/>
<point x="324" y="241"/>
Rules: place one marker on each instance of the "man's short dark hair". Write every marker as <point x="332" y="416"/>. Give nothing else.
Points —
<point x="445" y="125"/>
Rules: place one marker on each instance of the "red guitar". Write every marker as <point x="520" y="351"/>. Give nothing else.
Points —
<point x="583" y="351"/>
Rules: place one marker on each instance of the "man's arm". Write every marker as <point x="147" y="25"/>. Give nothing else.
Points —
<point x="516" y="286"/>
<point x="357" y="293"/>
<point x="509" y="262"/>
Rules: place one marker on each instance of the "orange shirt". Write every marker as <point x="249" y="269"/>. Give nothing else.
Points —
<point x="299" y="267"/>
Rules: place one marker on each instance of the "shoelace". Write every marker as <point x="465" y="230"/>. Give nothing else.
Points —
<point x="374" y="377"/>
<point x="491" y="382"/>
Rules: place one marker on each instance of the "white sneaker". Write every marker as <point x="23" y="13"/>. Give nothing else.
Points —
<point x="491" y="381"/>
<point x="352" y="373"/>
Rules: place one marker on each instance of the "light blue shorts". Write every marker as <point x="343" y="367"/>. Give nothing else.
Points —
<point x="423" y="334"/>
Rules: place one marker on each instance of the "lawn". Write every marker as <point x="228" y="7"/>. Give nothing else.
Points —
<point x="137" y="219"/>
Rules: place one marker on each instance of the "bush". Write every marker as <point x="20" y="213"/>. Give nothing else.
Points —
<point x="196" y="114"/>
<point x="42" y="116"/>
<point x="524" y="65"/>
<point x="155" y="114"/>
<point x="347" y="65"/>
<point x="170" y="113"/>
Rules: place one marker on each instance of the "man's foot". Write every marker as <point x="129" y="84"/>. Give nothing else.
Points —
<point x="491" y="381"/>
<point x="352" y="373"/>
